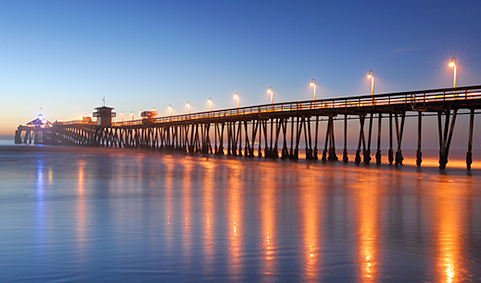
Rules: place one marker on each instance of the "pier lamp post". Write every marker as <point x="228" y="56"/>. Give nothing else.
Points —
<point x="188" y="106"/>
<point x="170" y="110"/>
<point x="132" y="115"/>
<point x="210" y="103"/>
<point x="121" y="116"/>
<point x="452" y="64"/>
<point x="370" y="75"/>
<point x="236" y="97"/>
<point x="270" y="90"/>
<point x="313" y="84"/>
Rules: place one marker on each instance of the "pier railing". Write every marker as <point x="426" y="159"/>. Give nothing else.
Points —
<point x="365" y="101"/>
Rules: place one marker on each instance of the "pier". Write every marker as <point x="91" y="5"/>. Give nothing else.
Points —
<point x="280" y="130"/>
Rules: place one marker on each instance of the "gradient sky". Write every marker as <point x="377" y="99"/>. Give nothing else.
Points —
<point x="65" y="56"/>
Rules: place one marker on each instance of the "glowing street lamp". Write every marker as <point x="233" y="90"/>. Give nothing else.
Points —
<point x="313" y="84"/>
<point x="210" y="103"/>
<point x="236" y="97"/>
<point x="271" y="92"/>
<point x="188" y="106"/>
<point x="121" y="116"/>
<point x="370" y="75"/>
<point x="170" y="109"/>
<point x="452" y="64"/>
<point x="131" y="115"/>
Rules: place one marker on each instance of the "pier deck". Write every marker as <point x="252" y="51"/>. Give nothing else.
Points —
<point x="270" y="127"/>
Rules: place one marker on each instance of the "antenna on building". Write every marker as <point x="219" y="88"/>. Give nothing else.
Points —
<point x="104" y="101"/>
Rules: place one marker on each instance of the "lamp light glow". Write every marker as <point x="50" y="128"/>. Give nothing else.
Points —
<point x="270" y="90"/>
<point x="210" y="103"/>
<point x="313" y="84"/>
<point x="236" y="97"/>
<point x="453" y="65"/>
<point x="370" y="75"/>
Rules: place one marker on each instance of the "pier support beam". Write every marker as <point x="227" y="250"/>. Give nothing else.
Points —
<point x="445" y="136"/>
<point x="378" y="149"/>
<point x="419" y="154"/>
<point x="362" y="141"/>
<point x="345" y="157"/>
<point x="390" y="152"/>
<point x="329" y="152"/>
<point x="332" y="142"/>
<point x="18" y="137"/>
<point x="367" y="151"/>
<point x="469" y="154"/>
<point x="399" y="134"/>
<point x="285" y="150"/>
<point x="315" y="142"/>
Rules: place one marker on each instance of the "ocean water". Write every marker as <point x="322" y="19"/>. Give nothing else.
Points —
<point x="106" y="215"/>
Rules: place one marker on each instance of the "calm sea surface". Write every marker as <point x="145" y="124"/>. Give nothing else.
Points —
<point x="70" y="214"/>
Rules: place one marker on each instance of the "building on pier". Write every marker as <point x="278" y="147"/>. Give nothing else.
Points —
<point x="40" y="122"/>
<point x="104" y="116"/>
<point x="33" y="130"/>
<point x="148" y="116"/>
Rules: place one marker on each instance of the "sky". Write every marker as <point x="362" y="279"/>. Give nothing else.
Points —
<point x="62" y="58"/>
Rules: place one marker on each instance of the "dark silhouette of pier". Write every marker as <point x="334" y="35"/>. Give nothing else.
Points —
<point x="280" y="129"/>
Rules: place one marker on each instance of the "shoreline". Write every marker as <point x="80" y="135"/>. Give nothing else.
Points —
<point x="430" y="161"/>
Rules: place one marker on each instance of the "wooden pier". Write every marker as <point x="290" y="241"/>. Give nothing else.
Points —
<point x="282" y="129"/>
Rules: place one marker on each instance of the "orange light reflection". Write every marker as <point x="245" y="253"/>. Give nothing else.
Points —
<point x="209" y="213"/>
<point x="268" y="213"/>
<point x="368" y="190"/>
<point x="309" y="198"/>
<point x="186" y="207"/>
<point x="449" y="227"/>
<point x="169" y="184"/>
<point x="234" y="217"/>
<point x="81" y="213"/>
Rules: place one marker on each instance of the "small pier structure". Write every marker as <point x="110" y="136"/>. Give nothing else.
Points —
<point x="33" y="131"/>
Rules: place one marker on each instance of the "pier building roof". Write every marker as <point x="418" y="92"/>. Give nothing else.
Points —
<point x="39" y="122"/>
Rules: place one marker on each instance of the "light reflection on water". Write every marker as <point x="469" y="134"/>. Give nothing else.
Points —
<point x="450" y="241"/>
<point x="368" y="211"/>
<point x="142" y="216"/>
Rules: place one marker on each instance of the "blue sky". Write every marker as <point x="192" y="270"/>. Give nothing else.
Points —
<point x="65" y="56"/>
